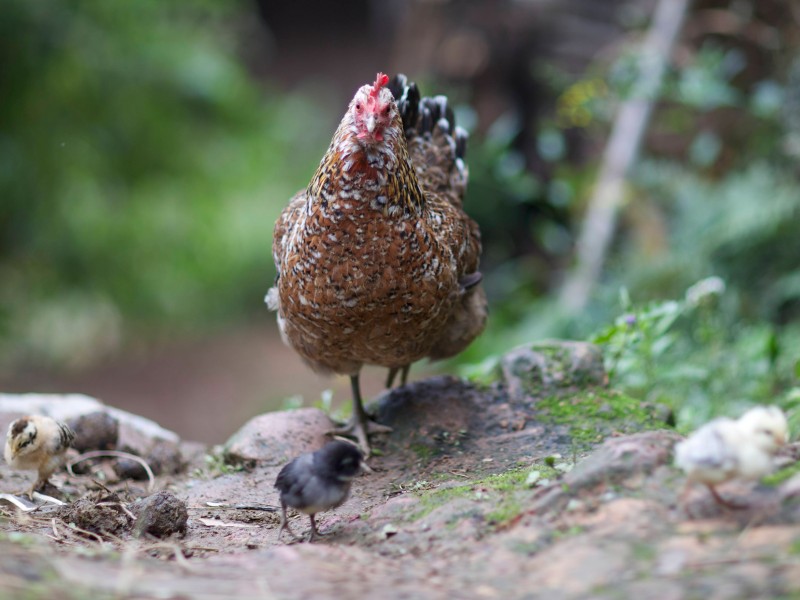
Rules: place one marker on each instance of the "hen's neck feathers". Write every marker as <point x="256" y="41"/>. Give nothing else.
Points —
<point x="377" y="174"/>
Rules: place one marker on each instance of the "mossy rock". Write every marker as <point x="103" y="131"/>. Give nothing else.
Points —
<point x="531" y="370"/>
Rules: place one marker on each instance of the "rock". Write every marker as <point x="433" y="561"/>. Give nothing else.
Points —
<point x="95" y="431"/>
<point x="164" y="458"/>
<point x="621" y="457"/>
<point x="438" y="403"/>
<point x="277" y="437"/>
<point x="617" y="459"/>
<point x="161" y="515"/>
<point x="430" y="415"/>
<point x="528" y="369"/>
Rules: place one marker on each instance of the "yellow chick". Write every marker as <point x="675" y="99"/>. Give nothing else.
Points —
<point x="727" y="449"/>
<point x="37" y="442"/>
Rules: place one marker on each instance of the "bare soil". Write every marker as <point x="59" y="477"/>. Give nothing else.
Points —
<point x="479" y="492"/>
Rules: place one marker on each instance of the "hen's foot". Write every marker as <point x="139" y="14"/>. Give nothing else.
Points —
<point x="361" y="430"/>
<point x="360" y="425"/>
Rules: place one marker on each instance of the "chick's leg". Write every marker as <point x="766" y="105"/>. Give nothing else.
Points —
<point x="314" y="533"/>
<point x="285" y="524"/>
<point x="722" y="501"/>
<point x="360" y="425"/>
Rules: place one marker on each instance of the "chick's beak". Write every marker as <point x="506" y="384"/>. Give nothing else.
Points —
<point x="365" y="467"/>
<point x="15" y="448"/>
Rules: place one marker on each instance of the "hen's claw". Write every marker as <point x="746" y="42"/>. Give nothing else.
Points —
<point x="361" y="432"/>
<point x="360" y="425"/>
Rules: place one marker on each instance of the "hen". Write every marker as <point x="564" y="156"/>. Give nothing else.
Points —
<point x="377" y="261"/>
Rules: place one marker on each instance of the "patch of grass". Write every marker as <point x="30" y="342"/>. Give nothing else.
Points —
<point x="526" y="548"/>
<point x="505" y="511"/>
<point x="424" y="452"/>
<point x="216" y="466"/>
<point x="568" y="532"/>
<point x="643" y="551"/>
<point x="794" y="548"/>
<point x="24" y="540"/>
<point x="784" y="474"/>
<point x="501" y="490"/>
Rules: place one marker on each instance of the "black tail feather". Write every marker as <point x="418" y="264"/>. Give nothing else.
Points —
<point x="421" y="114"/>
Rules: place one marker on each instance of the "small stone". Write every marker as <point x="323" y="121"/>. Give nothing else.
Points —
<point x="532" y="478"/>
<point x="388" y="531"/>
<point x="161" y="515"/>
<point x="164" y="458"/>
<point x="95" y="431"/>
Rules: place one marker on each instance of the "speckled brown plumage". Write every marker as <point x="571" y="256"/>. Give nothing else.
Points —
<point x="377" y="261"/>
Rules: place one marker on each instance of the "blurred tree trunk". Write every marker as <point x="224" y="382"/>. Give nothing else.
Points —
<point x="621" y="153"/>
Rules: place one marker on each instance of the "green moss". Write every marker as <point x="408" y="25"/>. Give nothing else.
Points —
<point x="503" y="493"/>
<point x="643" y="551"/>
<point x="592" y="415"/>
<point x="504" y="511"/>
<point x="424" y="453"/>
<point x="794" y="549"/>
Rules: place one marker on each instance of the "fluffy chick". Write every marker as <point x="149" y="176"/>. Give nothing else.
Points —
<point x="37" y="442"/>
<point x="727" y="449"/>
<point x="318" y="481"/>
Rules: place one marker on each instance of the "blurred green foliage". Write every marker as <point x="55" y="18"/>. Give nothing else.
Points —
<point x="141" y="170"/>
<point x="714" y="198"/>
<point x="698" y="356"/>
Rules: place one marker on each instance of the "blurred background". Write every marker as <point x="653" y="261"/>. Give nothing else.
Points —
<point x="147" y="147"/>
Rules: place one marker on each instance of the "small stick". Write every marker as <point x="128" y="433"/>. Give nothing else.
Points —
<point x="77" y="529"/>
<point x="115" y="454"/>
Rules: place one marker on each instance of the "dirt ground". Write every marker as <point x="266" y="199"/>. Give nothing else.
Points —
<point x="505" y="490"/>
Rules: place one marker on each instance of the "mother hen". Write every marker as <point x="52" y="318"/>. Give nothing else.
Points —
<point x="377" y="261"/>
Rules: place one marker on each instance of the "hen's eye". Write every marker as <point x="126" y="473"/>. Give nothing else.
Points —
<point x="386" y="110"/>
<point x="358" y="106"/>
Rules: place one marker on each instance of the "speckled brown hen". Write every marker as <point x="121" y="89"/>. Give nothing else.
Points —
<point x="377" y="261"/>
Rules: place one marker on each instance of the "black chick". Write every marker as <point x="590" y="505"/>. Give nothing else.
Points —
<point x="318" y="481"/>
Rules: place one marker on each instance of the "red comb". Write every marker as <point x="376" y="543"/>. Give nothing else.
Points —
<point x="381" y="80"/>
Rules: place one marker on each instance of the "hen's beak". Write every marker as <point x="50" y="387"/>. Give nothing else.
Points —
<point x="370" y="123"/>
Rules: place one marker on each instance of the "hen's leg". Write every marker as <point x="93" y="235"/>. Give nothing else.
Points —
<point x="360" y="425"/>
<point x="393" y="372"/>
